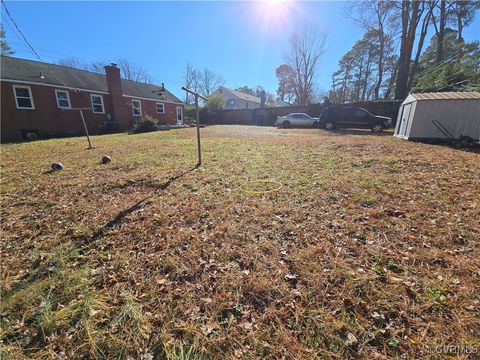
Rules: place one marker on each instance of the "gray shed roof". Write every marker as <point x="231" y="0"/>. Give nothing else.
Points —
<point x="446" y="95"/>
<point x="51" y="74"/>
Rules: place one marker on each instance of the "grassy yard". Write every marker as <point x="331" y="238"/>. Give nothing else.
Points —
<point x="371" y="248"/>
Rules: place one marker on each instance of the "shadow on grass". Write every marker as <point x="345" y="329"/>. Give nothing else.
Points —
<point x="361" y="132"/>
<point x="99" y="233"/>
<point x="473" y="147"/>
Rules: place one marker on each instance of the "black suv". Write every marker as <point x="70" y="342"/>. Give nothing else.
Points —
<point x="352" y="117"/>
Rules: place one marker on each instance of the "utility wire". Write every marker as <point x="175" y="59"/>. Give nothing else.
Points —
<point x="460" y="82"/>
<point x="435" y="66"/>
<point x="29" y="46"/>
<point x="20" y="32"/>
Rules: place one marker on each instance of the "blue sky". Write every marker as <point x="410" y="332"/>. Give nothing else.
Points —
<point x="241" y="41"/>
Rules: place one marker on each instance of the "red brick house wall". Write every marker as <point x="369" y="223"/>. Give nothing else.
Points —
<point x="49" y="120"/>
<point x="150" y="108"/>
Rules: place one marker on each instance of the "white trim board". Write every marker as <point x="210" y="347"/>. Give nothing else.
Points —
<point x="54" y="86"/>
<point x="88" y="90"/>
<point x="156" y="100"/>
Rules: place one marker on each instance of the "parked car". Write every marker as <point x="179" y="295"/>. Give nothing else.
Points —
<point x="296" y="119"/>
<point x="352" y="117"/>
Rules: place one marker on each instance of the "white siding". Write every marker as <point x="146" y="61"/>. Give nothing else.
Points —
<point x="460" y="117"/>
<point x="240" y="103"/>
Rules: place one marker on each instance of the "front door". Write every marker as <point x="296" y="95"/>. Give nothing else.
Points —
<point x="179" y="115"/>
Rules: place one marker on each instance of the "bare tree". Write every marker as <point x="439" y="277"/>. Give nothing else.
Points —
<point x="128" y="70"/>
<point x="305" y="50"/>
<point x="203" y="81"/>
<point x="191" y="81"/>
<point x="209" y="82"/>
<point x="97" y="67"/>
<point x="73" y="62"/>
<point x="131" y="71"/>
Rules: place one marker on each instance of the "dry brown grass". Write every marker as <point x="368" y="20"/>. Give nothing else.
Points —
<point x="371" y="249"/>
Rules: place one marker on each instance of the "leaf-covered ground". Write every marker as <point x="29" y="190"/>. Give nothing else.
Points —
<point x="369" y="250"/>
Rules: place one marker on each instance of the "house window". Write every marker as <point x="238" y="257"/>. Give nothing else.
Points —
<point x="97" y="104"/>
<point x="231" y="102"/>
<point x="137" y="107"/>
<point x="160" y="108"/>
<point x="63" y="99"/>
<point x="23" y="97"/>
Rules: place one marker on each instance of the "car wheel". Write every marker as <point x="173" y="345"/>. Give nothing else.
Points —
<point x="377" y="128"/>
<point x="31" y="135"/>
<point x="316" y="125"/>
<point x="286" y="124"/>
<point x="329" y="125"/>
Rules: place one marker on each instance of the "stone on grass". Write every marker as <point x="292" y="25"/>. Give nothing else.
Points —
<point x="106" y="159"/>
<point x="56" y="166"/>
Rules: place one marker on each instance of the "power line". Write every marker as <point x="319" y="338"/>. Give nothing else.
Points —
<point x="435" y="66"/>
<point x="20" y="32"/>
<point x="457" y="83"/>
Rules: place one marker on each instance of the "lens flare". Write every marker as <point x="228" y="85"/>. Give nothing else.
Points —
<point x="273" y="14"/>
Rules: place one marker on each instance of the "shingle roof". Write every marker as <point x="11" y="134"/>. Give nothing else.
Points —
<point x="51" y="74"/>
<point x="446" y="95"/>
<point x="242" y="95"/>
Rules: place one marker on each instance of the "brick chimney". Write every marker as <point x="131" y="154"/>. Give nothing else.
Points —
<point x="119" y="109"/>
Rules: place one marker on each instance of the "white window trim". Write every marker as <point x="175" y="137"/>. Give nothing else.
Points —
<point x="135" y="107"/>
<point x="29" y="93"/>
<point x="163" y="107"/>
<point x="103" y="105"/>
<point x="231" y="102"/>
<point x="68" y="99"/>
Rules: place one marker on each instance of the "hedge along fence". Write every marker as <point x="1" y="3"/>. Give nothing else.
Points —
<point x="267" y="116"/>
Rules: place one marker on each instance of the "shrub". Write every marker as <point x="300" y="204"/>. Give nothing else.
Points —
<point x="146" y="124"/>
<point x="214" y="103"/>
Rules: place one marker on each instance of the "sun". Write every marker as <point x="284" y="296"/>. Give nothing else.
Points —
<point x="273" y="13"/>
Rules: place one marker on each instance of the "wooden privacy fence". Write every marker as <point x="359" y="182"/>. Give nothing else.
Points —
<point x="267" y="116"/>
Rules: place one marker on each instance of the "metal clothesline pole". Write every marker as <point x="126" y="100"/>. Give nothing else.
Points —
<point x="86" y="129"/>
<point x="84" y="124"/>
<point x="197" y="95"/>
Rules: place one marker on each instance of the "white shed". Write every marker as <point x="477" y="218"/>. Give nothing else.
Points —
<point x="458" y="112"/>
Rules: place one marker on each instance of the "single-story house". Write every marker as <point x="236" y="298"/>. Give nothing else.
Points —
<point x="233" y="99"/>
<point x="421" y="116"/>
<point x="43" y="99"/>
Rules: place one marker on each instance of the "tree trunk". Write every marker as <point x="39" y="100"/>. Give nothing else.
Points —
<point x="441" y="32"/>
<point x="460" y="26"/>
<point x="367" y="73"/>
<point x="380" y="62"/>
<point x="423" y="34"/>
<point x="410" y="14"/>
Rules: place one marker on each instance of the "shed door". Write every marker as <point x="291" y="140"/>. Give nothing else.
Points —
<point x="405" y="119"/>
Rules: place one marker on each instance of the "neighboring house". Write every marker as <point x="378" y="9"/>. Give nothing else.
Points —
<point x="233" y="99"/>
<point x="44" y="99"/>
